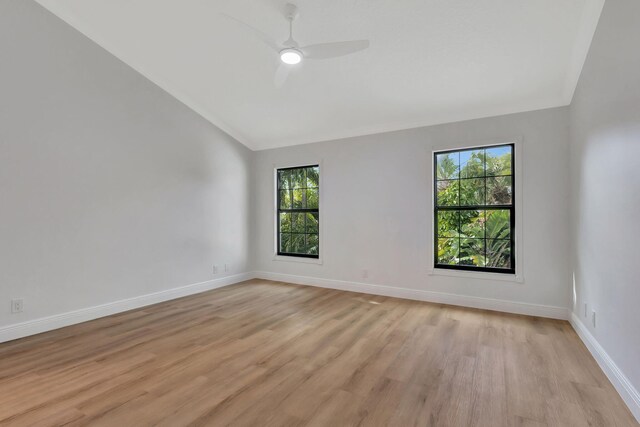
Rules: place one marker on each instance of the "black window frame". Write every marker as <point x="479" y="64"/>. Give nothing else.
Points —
<point x="296" y="210"/>
<point x="485" y="207"/>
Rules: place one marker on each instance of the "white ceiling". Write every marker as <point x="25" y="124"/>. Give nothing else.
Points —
<point x="429" y="62"/>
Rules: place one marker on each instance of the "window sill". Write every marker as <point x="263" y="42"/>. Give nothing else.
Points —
<point x="514" y="278"/>
<point x="297" y="259"/>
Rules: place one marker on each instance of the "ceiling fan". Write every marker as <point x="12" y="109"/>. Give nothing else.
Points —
<point x="291" y="53"/>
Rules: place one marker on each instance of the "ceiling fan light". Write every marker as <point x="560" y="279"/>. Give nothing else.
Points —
<point x="291" y="56"/>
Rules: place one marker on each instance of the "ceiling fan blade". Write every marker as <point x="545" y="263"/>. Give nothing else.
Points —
<point x="282" y="74"/>
<point x="256" y="32"/>
<point x="333" y="50"/>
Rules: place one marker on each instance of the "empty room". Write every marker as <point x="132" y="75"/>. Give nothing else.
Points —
<point x="319" y="213"/>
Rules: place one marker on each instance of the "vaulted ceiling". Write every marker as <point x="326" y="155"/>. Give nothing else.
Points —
<point x="430" y="61"/>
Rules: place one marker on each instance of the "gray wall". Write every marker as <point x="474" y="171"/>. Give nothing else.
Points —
<point x="109" y="187"/>
<point x="605" y="154"/>
<point x="377" y="212"/>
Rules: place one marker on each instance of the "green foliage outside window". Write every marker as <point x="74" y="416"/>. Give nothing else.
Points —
<point x="474" y="208"/>
<point x="298" y="211"/>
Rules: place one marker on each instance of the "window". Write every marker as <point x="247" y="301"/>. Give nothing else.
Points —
<point x="474" y="213"/>
<point x="298" y="211"/>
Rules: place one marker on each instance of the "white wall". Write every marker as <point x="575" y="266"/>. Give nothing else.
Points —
<point x="376" y="207"/>
<point x="109" y="187"/>
<point x="605" y="154"/>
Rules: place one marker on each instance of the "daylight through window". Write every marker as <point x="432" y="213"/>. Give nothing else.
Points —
<point x="298" y="211"/>
<point x="474" y="210"/>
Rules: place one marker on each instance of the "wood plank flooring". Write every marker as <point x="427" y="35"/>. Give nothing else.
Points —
<point x="265" y="353"/>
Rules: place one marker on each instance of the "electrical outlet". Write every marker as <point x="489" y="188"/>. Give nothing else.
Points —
<point x="227" y="267"/>
<point x="215" y="269"/>
<point x="17" y="305"/>
<point x="593" y="318"/>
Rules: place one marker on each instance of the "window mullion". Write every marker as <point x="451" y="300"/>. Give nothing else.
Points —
<point x="289" y="175"/>
<point x="476" y="217"/>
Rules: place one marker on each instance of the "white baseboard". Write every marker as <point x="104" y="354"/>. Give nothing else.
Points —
<point x="421" y="295"/>
<point x="44" y="324"/>
<point x="619" y="380"/>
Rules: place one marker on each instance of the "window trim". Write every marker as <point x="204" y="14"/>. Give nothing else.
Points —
<point x="288" y="257"/>
<point x="512" y="275"/>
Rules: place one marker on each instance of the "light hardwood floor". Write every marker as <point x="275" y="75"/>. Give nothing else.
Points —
<point x="267" y="353"/>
